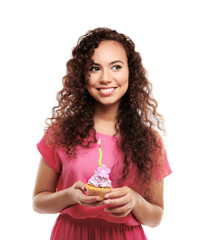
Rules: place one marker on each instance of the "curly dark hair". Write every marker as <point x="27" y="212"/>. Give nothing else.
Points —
<point x="72" y="120"/>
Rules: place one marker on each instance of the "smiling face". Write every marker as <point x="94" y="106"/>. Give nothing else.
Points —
<point x="108" y="75"/>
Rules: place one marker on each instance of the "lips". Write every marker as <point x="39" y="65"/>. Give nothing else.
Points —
<point x="107" y="90"/>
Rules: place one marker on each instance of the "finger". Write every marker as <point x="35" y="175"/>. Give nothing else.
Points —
<point x="89" y="199"/>
<point x="116" y="193"/>
<point x="120" y="209"/>
<point x="117" y="201"/>
<point x="79" y="185"/>
<point x="84" y="188"/>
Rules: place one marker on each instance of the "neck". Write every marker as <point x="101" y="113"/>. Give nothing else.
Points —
<point x="105" y="118"/>
<point x="107" y="113"/>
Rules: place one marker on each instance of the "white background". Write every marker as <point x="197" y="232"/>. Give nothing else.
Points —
<point x="36" y="41"/>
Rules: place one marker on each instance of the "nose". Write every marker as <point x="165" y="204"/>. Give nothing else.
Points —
<point x="105" y="76"/>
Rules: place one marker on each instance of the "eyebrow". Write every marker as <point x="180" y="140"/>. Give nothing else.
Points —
<point x="111" y="63"/>
<point x="116" y="62"/>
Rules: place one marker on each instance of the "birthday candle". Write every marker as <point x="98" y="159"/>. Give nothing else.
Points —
<point x="100" y="153"/>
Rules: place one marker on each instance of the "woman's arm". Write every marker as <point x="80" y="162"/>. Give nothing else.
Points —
<point x="47" y="200"/>
<point x="147" y="211"/>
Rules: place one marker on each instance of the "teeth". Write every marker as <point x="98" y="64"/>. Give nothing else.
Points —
<point x="106" y="89"/>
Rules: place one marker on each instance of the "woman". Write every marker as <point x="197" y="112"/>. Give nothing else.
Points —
<point x="105" y="95"/>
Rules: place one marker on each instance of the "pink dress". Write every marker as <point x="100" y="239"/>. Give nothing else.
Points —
<point x="79" y="222"/>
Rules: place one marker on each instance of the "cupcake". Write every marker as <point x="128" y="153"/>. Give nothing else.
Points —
<point x="99" y="184"/>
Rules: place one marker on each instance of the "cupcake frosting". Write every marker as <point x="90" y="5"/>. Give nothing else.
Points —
<point x="101" y="177"/>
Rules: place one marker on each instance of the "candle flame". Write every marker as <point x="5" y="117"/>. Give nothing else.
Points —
<point x="99" y="142"/>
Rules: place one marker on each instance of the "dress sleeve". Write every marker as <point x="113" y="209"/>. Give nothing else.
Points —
<point x="50" y="154"/>
<point x="161" y="165"/>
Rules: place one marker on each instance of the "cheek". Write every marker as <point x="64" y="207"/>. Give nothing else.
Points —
<point x="125" y="84"/>
<point x="125" y="80"/>
<point x="90" y="85"/>
<point x="91" y="81"/>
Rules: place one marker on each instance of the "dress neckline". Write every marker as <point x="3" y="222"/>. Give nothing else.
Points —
<point x="107" y="135"/>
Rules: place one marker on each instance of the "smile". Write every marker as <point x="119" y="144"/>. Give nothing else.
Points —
<point x="106" y="91"/>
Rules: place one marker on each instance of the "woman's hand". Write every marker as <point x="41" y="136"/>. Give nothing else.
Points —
<point x="46" y="198"/>
<point x="120" y="201"/>
<point x="77" y="191"/>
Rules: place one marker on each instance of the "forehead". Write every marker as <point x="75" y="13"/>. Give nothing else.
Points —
<point x="109" y="50"/>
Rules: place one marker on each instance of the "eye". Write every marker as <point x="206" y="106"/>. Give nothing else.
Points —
<point x="94" y="69"/>
<point x="116" y="67"/>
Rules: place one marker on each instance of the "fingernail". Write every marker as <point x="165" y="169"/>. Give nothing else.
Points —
<point x="107" y="196"/>
<point x="107" y="202"/>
